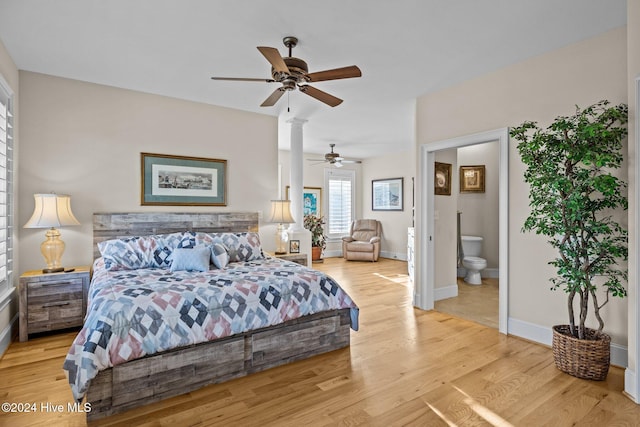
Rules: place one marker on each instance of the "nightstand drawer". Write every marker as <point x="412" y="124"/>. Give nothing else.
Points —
<point x="54" y="305"/>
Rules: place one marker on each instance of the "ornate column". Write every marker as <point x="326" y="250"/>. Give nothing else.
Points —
<point x="297" y="169"/>
<point x="297" y="230"/>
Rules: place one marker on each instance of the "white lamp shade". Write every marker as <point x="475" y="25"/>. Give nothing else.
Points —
<point x="51" y="210"/>
<point x="281" y="212"/>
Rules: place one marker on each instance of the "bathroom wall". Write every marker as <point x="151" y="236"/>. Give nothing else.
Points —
<point x="480" y="210"/>
<point x="445" y="217"/>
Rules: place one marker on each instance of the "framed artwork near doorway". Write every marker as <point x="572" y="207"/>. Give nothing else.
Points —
<point x="472" y="179"/>
<point x="442" y="179"/>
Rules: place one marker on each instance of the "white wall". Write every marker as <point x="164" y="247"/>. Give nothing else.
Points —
<point x="85" y="140"/>
<point x="394" y="223"/>
<point x="445" y="232"/>
<point x="480" y="210"/>
<point x="538" y="89"/>
<point x="632" y="378"/>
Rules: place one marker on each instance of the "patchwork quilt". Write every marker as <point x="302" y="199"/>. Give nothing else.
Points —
<point x="133" y="313"/>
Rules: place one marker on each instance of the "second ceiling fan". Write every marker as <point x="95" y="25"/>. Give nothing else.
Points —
<point x="334" y="158"/>
<point x="294" y="73"/>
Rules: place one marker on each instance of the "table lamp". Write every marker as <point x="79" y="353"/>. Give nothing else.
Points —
<point x="51" y="211"/>
<point x="281" y="213"/>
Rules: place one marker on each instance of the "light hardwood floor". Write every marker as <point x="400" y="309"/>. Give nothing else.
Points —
<point x="476" y="303"/>
<point x="404" y="367"/>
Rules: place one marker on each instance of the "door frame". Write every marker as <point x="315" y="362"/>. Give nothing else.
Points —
<point x="425" y="224"/>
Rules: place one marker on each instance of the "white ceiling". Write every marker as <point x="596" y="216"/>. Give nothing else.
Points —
<point x="405" y="48"/>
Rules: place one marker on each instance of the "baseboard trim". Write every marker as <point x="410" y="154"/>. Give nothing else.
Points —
<point x="393" y="255"/>
<point x="544" y="335"/>
<point x="6" y="336"/>
<point x="487" y="273"/>
<point x="445" y="292"/>
<point x="630" y="386"/>
<point x="490" y="273"/>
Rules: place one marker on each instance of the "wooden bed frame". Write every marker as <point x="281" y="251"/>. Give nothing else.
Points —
<point x="171" y="373"/>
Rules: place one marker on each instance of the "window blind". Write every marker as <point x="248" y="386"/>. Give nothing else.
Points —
<point x="340" y="187"/>
<point x="6" y="185"/>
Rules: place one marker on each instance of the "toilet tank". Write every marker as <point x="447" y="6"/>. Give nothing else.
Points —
<point x="472" y="245"/>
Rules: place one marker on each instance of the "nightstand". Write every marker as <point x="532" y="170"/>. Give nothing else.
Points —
<point x="52" y="301"/>
<point x="297" y="258"/>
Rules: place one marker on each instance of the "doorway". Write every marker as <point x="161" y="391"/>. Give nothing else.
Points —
<point x="425" y="224"/>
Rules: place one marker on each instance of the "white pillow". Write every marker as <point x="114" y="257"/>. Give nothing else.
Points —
<point x="219" y="255"/>
<point x="190" y="259"/>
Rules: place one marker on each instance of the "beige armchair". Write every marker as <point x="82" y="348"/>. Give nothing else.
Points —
<point x="363" y="242"/>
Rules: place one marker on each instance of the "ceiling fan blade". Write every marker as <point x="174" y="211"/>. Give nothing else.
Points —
<point x="338" y="164"/>
<point x="273" y="56"/>
<point x="335" y="74"/>
<point x="243" y="79"/>
<point x="320" y="95"/>
<point x="273" y="98"/>
<point x="350" y="161"/>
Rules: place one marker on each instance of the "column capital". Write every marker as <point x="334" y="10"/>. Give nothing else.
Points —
<point x="295" y="121"/>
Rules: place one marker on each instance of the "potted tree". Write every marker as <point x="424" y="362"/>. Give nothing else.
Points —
<point x="572" y="196"/>
<point x="314" y="224"/>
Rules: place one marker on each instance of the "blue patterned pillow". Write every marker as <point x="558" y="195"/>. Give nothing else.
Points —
<point x="219" y="255"/>
<point x="190" y="259"/>
<point x="139" y="252"/>
<point x="241" y="247"/>
<point x="188" y="240"/>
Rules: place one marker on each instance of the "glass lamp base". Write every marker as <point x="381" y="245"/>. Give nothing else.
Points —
<point x="282" y="237"/>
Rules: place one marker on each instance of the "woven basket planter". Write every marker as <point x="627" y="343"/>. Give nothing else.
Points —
<point x="587" y="358"/>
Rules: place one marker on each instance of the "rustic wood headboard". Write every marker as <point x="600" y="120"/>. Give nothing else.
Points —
<point x="111" y="225"/>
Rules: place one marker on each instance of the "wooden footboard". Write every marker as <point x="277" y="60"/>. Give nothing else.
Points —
<point x="160" y="376"/>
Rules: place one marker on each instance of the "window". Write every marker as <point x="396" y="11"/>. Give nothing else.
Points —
<point x="340" y="185"/>
<point x="6" y="186"/>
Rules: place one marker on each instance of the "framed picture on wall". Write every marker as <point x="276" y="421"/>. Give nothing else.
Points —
<point x="311" y="200"/>
<point x="472" y="179"/>
<point x="387" y="194"/>
<point x="177" y="180"/>
<point x="442" y="179"/>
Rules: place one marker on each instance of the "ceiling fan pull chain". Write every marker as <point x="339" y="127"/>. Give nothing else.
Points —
<point x="288" y="110"/>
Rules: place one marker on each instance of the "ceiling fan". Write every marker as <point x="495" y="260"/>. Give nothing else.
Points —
<point x="293" y="73"/>
<point x="334" y="158"/>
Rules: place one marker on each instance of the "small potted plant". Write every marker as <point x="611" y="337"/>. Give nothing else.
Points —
<point x="572" y="195"/>
<point x="314" y="224"/>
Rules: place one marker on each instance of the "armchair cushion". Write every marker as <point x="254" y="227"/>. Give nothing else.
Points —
<point x="363" y="242"/>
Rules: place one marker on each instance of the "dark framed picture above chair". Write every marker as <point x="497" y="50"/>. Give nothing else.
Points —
<point x="387" y="194"/>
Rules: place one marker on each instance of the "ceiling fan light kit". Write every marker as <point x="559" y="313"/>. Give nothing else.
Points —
<point x="293" y="73"/>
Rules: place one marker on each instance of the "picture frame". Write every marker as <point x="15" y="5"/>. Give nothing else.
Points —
<point x="472" y="179"/>
<point x="311" y="200"/>
<point x="442" y="179"/>
<point x="294" y="246"/>
<point x="387" y="194"/>
<point x="170" y="180"/>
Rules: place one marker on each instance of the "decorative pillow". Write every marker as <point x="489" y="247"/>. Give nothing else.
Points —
<point x="188" y="240"/>
<point x="190" y="259"/>
<point x="139" y="252"/>
<point x="219" y="255"/>
<point x="242" y="246"/>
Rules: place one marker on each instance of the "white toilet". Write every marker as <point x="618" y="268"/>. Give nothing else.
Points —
<point x="471" y="248"/>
